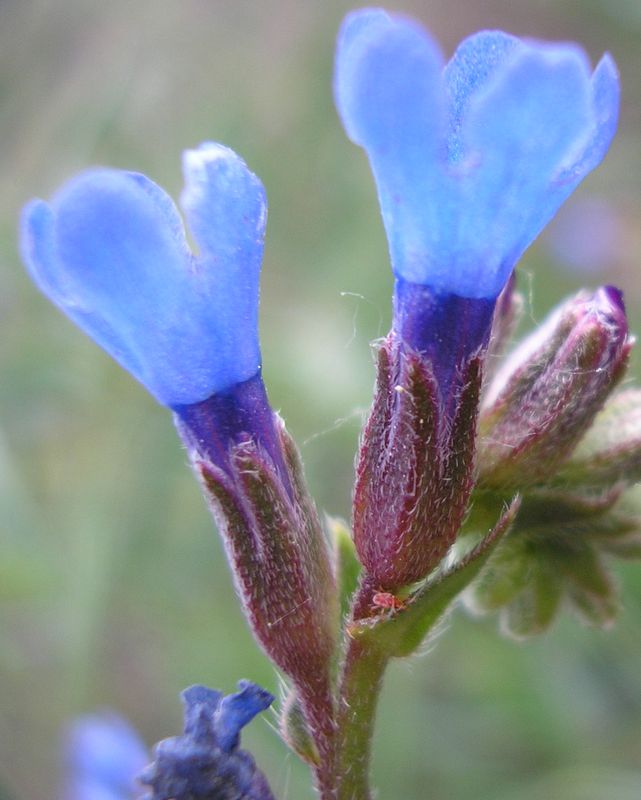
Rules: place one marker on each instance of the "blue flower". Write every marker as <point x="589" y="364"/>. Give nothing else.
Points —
<point x="206" y="761"/>
<point x="473" y="157"/>
<point x="103" y="755"/>
<point x="110" y="250"/>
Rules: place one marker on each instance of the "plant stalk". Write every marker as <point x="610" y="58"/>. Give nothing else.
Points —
<point x="361" y="685"/>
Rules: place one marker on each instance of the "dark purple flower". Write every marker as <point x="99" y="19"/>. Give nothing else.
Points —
<point x="206" y="762"/>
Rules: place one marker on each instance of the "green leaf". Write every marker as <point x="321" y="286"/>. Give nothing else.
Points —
<point x="400" y="633"/>
<point x="294" y="730"/>
<point x="534" y="608"/>
<point x="503" y="578"/>
<point x="591" y="589"/>
<point x="347" y="565"/>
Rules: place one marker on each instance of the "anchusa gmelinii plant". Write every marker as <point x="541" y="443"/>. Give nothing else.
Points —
<point x="499" y="481"/>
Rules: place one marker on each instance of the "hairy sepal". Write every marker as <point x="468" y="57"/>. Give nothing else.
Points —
<point x="279" y="560"/>
<point x="610" y="452"/>
<point x="415" y="467"/>
<point x="550" y="392"/>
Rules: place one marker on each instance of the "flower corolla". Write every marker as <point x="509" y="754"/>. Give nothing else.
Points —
<point x="473" y="157"/>
<point x="110" y="250"/>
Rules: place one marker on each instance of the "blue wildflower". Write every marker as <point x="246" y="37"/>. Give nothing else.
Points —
<point x="206" y="763"/>
<point x="110" y="251"/>
<point x="471" y="159"/>
<point x="103" y="756"/>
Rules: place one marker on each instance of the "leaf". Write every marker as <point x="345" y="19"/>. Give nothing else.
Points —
<point x="503" y="578"/>
<point x="295" y="732"/>
<point x="346" y="563"/>
<point x="534" y="608"/>
<point x="401" y="633"/>
<point x="591" y="589"/>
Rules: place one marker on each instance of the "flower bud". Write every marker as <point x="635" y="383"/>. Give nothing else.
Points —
<point x="294" y="730"/>
<point x="610" y="452"/>
<point x="549" y="391"/>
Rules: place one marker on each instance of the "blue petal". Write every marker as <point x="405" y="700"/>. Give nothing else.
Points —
<point x="104" y="754"/>
<point x="389" y="92"/>
<point x="225" y="206"/>
<point x="474" y="63"/>
<point x="236" y="710"/>
<point x="359" y="31"/>
<point x="110" y="251"/>
<point x="164" y="205"/>
<point x="226" y="210"/>
<point x="126" y="271"/>
<point x="605" y="104"/>
<point x="113" y="239"/>
<point x="200" y="704"/>
<point x="524" y="127"/>
<point x="388" y="84"/>
<point x="39" y="250"/>
<point x="461" y="201"/>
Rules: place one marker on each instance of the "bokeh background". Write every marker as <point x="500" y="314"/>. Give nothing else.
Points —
<point x="113" y="587"/>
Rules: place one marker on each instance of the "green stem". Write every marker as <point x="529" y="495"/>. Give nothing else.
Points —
<point x="361" y="685"/>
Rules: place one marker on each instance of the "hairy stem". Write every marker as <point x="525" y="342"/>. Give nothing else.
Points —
<point x="359" y="688"/>
<point x="361" y="685"/>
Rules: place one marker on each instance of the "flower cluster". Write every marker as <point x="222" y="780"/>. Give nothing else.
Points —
<point x="471" y="159"/>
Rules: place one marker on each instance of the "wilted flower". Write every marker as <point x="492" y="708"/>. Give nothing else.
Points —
<point x="206" y="762"/>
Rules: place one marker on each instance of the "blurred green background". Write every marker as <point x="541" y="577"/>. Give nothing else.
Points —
<point x="113" y="586"/>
